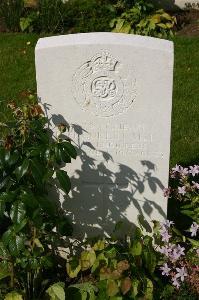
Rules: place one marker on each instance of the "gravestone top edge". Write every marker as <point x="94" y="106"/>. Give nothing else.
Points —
<point x="100" y="38"/>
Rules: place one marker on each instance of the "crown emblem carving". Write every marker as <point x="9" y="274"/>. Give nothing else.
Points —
<point x="103" y="61"/>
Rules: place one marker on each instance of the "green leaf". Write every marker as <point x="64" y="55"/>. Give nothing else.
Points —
<point x="2" y="208"/>
<point x="56" y="291"/>
<point x="83" y="291"/>
<point x="73" y="267"/>
<point x="58" y="156"/>
<point x="48" y="205"/>
<point x="16" y="244"/>
<point x="149" y="259"/>
<point x="12" y="158"/>
<point x="99" y="245"/>
<point x="8" y="196"/>
<point x="87" y="259"/>
<point x="195" y="243"/>
<point x="135" y="284"/>
<point x="3" y="251"/>
<point x="119" y="24"/>
<point x="22" y="170"/>
<point x="112" y="288"/>
<point x="70" y="149"/>
<point x="7" y="236"/>
<point x="126" y="28"/>
<point x="64" y="154"/>
<point x="136" y="249"/>
<point x="37" y="172"/>
<point x="100" y="259"/>
<point x="111" y="253"/>
<point x="4" y="270"/>
<point x="25" y="23"/>
<point x="64" y="226"/>
<point x="149" y="289"/>
<point x="19" y="226"/>
<point x="112" y="23"/>
<point x="64" y="180"/>
<point x="13" y="296"/>
<point x="18" y="212"/>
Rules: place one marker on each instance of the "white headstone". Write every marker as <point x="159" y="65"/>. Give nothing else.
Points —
<point x="115" y="90"/>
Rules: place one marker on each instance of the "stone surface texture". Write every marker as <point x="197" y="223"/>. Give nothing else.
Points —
<point x="177" y="4"/>
<point x="115" y="91"/>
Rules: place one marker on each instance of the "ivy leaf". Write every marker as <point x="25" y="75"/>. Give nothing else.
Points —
<point x="64" y="180"/>
<point x="56" y="291"/>
<point x="22" y="170"/>
<point x="17" y="212"/>
<point x="13" y="296"/>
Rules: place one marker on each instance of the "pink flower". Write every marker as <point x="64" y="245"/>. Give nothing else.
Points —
<point x="194" y="170"/>
<point x="180" y="250"/>
<point x="166" y="250"/>
<point x="184" y="171"/>
<point x="167" y="224"/>
<point x="175" y="255"/>
<point x="194" y="228"/>
<point x="165" y="269"/>
<point x="165" y="235"/>
<point x="166" y="192"/>
<point x="175" y="282"/>
<point x="177" y="168"/>
<point x="181" y="273"/>
<point x="195" y="185"/>
<point x="182" y="190"/>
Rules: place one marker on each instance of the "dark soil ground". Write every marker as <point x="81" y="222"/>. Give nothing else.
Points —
<point x="188" y="23"/>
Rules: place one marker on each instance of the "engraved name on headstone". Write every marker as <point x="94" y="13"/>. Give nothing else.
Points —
<point x="115" y="91"/>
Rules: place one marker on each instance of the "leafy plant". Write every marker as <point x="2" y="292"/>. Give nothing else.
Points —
<point x="144" y="20"/>
<point x="31" y="162"/>
<point x="11" y="11"/>
<point x="135" y="267"/>
<point x="184" y="190"/>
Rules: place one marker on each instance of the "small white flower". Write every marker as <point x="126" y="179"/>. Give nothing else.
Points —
<point x="182" y="190"/>
<point x="194" y="228"/>
<point x="165" y="269"/>
<point x="181" y="273"/>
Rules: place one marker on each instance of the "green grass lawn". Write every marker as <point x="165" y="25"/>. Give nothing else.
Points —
<point x="17" y="73"/>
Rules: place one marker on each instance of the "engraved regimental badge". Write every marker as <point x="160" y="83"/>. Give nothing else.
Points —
<point x="102" y="86"/>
